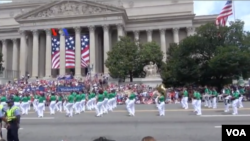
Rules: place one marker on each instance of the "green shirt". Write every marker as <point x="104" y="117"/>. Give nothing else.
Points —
<point x="60" y="98"/>
<point x="41" y="99"/>
<point x="3" y="99"/>
<point x="161" y="98"/>
<point x="227" y="91"/>
<point x="25" y="99"/>
<point x="132" y="96"/>
<point x="206" y="91"/>
<point x="236" y="95"/>
<point x="242" y="91"/>
<point x="197" y="95"/>
<point x="210" y="92"/>
<point x="215" y="93"/>
<point x="185" y="93"/>
<point x="83" y="96"/>
<point x="105" y="93"/>
<point x="74" y="94"/>
<point x="16" y="99"/>
<point x="52" y="98"/>
<point x="110" y="96"/>
<point x="78" y="98"/>
<point x="71" y="99"/>
<point x="100" y="97"/>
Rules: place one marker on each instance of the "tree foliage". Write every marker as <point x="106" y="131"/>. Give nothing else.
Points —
<point x="210" y="57"/>
<point x="128" y="59"/>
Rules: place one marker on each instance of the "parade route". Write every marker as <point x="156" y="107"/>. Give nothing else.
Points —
<point x="177" y="125"/>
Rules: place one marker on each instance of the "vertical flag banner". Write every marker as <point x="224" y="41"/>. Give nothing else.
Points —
<point x="55" y="52"/>
<point x="65" y="31"/>
<point x="84" y="51"/>
<point x="54" y="33"/>
<point x="224" y="14"/>
<point x="70" y="52"/>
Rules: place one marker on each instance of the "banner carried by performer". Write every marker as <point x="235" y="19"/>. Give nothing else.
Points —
<point x="69" y="89"/>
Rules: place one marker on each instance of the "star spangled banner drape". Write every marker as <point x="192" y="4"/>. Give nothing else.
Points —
<point x="226" y="11"/>
<point x="55" y="52"/>
<point x="84" y="51"/>
<point x="70" y="52"/>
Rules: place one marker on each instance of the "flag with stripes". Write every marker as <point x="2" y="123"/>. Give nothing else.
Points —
<point x="70" y="52"/>
<point x="224" y="14"/>
<point x="84" y="51"/>
<point x="55" y="52"/>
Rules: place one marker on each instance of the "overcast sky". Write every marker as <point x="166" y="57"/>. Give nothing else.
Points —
<point x="241" y="11"/>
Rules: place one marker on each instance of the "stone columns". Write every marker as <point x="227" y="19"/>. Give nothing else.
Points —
<point x="62" y="53"/>
<point x="15" y="55"/>
<point x="23" y="53"/>
<point x="136" y="34"/>
<point x="48" y="53"/>
<point x="176" y="35"/>
<point x="163" y="43"/>
<point x="77" y="51"/>
<point x="149" y="35"/>
<point x="4" y="52"/>
<point x="106" y="46"/>
<point x="92" y="49"/>
<point x="190" y="31"/>
<point x="120" y="31"/>
<point x="35" y="54"/>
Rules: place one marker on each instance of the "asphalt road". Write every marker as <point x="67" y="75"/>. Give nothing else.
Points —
<point x="177" y="125"/>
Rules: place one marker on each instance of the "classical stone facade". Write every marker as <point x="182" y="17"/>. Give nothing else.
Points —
<point x="25" y="30"/>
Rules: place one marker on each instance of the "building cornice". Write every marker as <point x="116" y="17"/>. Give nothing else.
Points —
<point x="204" y="18"/>
<point x="6" y="6"/>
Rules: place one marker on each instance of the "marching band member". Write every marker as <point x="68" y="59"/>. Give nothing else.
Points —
<point x="214" y="98"/>
<point x="69" y="105"/>
<point x="110" y="104"/>
<point x="83" y="101"/>
<point x="65" y="102"/>
<point x="17" y="100"/>
<point x="161" y="100"/>
<point x="114" y="99"/>
<point x="3" y="100"/>
<point x="197" y="96"/>
<point x="206" y="97"/>
<point x="105" y="102"/>
<point x="24" y="105"/>
<point x="235" y="100"/>
<point x="59" y="102"/>
<point x="131" y="104"/>
<point x="227" y="97"/>
<point x="242" y="92"/>
<point x="52" y="105"/>
<point x="29" y="101"/>
<point x="99" y="104"/>
<point x="194" y="100"/>
<point x="184" y="99"/>
<point x="40" y="107"/>
<point x="77" y="107"/>
<point x="35" y="102"/>
<point x="210" y="95"/>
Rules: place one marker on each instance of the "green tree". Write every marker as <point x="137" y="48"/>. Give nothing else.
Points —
<point x="209" y="57"/>
<point x="150" y="51"/>
<point x="122" y="59"/>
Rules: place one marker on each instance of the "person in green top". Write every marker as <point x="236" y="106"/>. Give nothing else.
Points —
<point x="242" y="92"/>
<point x="77" y="106"/>
<point x="206" y="97"/>
<point x="210" y="98"/>
<point x="235" y="100"/>
<point x="3" y="100"/>
<point x="83" y="101"/>
<point x="161" y="106"/>
<point x="197" y="104"/>
<point x="227" y="96"/>
<point x="59" y="99"/>
<point x="214" y="98"/>
<point x="184" y="99"/>
<point x="40" y="107"/>
<point x="105" y="102"/>
<point x="99" y="103"/>
<point x="35" y="102"/>
<point x="25" y="105"/>
<point x="52" y="105"/>
<point x="131" y="104"/>
<point x="110" y="104"/>
<point x="70" y="104"/>
<point x="113" y="99"/>
<point x="91" y="101"/>
<point x="17" y="100"/>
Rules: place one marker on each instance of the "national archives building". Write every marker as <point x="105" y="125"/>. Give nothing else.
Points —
<point x="25" y="30"/>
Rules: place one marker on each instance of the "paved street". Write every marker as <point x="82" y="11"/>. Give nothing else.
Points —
<point x="177" y="125"/>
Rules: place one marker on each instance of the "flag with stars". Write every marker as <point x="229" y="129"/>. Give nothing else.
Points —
<point x="55" y="52"/>
<point x="84" y="51"/>
<point x="70" y="52"/>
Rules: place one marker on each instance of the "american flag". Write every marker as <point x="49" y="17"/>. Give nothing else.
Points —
<point x="224" y="14"/>
<point x="55" y="52"/>
<point x="70" y="52"/>
<point x="84" y="51"/>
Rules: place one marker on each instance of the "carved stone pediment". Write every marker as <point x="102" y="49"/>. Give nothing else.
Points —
<point x="71" y="8"/>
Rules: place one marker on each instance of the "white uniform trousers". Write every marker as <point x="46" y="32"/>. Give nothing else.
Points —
<point x="156" y="102"/>
<point x="214" y="101"/>
<point x="24" y="108"/>
<point x="99" y="109"/>
<point x="198" y="107"/>
<point x="105" y="105"/>
<point x="114" y="101"/>
<point x="52" y="107"/>
<point x="194" y="105"/>
<point x="110" y="105"/>
<point x="235" y="106"/>
<point x="29" y="102"/>
<point x="240" y="101"/>
<point x="131" y="107"/>
<point x="206" y="100"/>
<point x="82" y="105"/>
<point x="210" y="99"/>
<point x="77" y="107"/>
<point x="161" y="109"/>
<point x="59" y="106"/>
<point x="40" y="110"/>
<point x="184" y="102"/>
<point x="44" y="105"/>
<point x="35" y="104"/>
<point x="227" y="104"/>
<point x="69" y="109"/>
<point x="17" y="104"/>
<point x="64" y="105"/>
